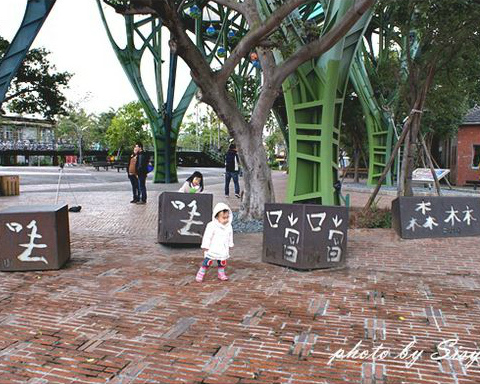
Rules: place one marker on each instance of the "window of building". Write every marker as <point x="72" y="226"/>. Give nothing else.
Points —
<point x="8" y="134"/>
<point x="476" y="156"/>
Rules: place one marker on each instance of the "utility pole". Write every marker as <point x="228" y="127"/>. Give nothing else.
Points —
<point x="196" y="129"/>
<point x="80" y="142"/>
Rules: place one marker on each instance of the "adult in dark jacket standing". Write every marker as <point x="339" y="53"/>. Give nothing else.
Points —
<point x="141" y="168"/>
<point x="132" y="174"/>
<point x="232" y="168"/>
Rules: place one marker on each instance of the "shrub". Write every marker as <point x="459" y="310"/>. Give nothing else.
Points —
<point x="375" y="217"/>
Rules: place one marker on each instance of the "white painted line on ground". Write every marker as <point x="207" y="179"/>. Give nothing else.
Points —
<point x="43" y="173"/>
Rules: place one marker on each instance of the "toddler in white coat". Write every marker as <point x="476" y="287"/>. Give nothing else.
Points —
<point x="217" y="241"/>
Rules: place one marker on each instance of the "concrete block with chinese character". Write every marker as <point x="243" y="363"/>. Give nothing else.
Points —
<point x="305" y="236"/>
<point x="419" y="217"/>
<point x="34" y="237"/>
<point x="182" y="217"/>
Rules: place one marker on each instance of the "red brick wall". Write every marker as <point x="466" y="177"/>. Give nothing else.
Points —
<point x="468" y="136"/>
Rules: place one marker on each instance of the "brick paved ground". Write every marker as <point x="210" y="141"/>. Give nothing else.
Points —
<point x="127" y="310"/>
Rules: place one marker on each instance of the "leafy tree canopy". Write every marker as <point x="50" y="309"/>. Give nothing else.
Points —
<point x="37" y="87"/>
<point x="415" y="35"/>
<point x="129" y="126"/>
<point x="209" y="131"/>
<point x="75" y="126"/>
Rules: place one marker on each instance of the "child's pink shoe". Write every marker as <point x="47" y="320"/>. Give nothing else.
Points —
<point x="200" y="275"/>
<point x="222" y="276"/>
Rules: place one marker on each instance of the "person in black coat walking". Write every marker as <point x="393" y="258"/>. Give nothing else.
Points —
<point x="141" y="168"/>
<point x="232" y="168"/>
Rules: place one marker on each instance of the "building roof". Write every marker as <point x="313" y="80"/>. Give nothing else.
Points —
<point x="17" y="121"/>
<point x="472" y="117"/>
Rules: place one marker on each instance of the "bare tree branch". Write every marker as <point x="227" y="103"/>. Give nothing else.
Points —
<point x="232" y="4"/>
<point x="258" y="31"/>
<point x="327" y="41"/>
<point x="201" y="72"/>
<point x="18" y="93"/>
<point x="184" y="46"/>
<point x="263" y="106"/>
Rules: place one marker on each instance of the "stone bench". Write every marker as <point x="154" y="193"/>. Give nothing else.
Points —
<point x="362" y="172"/>
<point x="120" y="166"/>
<point x="475" y="183"/>
<point x="34" y="237"/>
<point x="101" y="164"/>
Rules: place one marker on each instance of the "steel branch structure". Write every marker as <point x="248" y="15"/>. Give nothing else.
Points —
<point x="36" y="13"/>
<point x="314" y="98"/>
<point x="313" y="95"/>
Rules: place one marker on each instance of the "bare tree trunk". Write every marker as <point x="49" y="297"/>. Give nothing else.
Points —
<point x="430" y="164"/>
<point x="412" y="154"/>
<point x="212" y="84"/>
<point x="412" y="150"/>
<point x="253" y="158"/>
<point x="80" y="151"/>
<point x="257" y="176"/>
<point x="416" y="110"/>
<point x="401" y="179"/>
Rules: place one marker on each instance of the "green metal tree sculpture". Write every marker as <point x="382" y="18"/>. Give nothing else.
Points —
<point x="314" y="97"/>
<point x="164" y="120"/>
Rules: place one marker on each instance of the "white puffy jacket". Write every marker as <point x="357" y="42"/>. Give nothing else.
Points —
<point x="218" y="238"/>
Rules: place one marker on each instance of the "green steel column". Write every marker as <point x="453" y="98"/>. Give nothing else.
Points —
<point x="164" y="128"/>
<point x="314" y="99"/>
<point x="165" y="122"/>
<point x="380" y="128"/>
<point x="36" y="13"/>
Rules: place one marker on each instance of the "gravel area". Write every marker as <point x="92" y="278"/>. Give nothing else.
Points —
<point x="250" y="226"/>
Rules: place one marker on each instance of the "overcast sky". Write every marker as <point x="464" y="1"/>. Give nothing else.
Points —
<point x="76" y="38"/>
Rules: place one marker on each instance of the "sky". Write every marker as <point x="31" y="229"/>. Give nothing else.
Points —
<point x="77" y="40"/>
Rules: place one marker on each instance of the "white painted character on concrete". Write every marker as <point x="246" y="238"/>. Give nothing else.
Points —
<point x="335" y="251"/>
<point x="185" y="230"/>
<point x="292" y="219"/>
<point x="424" y="207"/>
<point x="337" y="222"/>
<point x="412" y="224"/>
<point x="290" y="251"/>
<point x="177" y="204"/>
<point x="26" y="255"/>
<point x="430" y="222"/>
<point x="468" y="215"/>
<point x="452" y="216"/>
<point x="278" y="215"/>
<point x="14" y="227"/>
<point x="315" y="216"/>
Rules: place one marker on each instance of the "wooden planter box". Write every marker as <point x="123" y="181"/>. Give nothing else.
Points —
<point x="420" y="217"/>
<point x="34" y="238"/>
<point x="305" y="236"/>
<point x="182" y="217"/>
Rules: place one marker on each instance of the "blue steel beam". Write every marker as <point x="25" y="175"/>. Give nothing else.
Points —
<point x="35" y="14"/>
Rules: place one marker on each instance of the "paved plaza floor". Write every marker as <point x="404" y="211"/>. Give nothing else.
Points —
<point x="128" y="310"/>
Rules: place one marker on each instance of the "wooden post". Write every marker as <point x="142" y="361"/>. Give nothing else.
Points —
<point x="430" y="164"/>
<point x="446" y="180"/>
